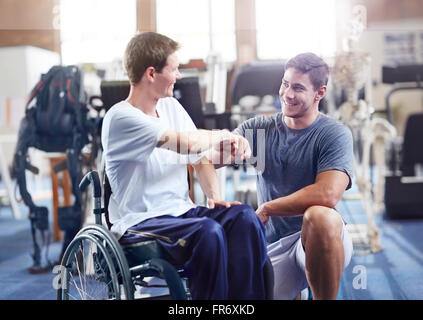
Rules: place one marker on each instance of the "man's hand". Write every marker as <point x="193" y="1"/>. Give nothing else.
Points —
<point x="261" y="212"/>
<point x="243" y="150"/>
<point x="229" y="148"/>
<point x="213" y="203"/>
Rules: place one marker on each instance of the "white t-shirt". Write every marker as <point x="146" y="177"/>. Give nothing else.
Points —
<point x="146" y="181"/>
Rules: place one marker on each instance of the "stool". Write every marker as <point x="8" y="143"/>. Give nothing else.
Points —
<point x="191" y="181"/>
<point x="59" y="180"/>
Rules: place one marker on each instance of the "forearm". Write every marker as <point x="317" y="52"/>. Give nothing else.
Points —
<point x="197" y="141"/>
<point x="207" y="178"/>
<point x="326" y="191"/>
<point x="298" y="202"/>
<point x="189" y="142"/>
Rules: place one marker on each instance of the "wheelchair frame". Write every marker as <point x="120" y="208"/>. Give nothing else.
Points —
<point x="96" y="266"/>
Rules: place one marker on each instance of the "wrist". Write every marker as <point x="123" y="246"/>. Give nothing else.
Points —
<point x="267" y="209"/>
<point x="214" y="197"/>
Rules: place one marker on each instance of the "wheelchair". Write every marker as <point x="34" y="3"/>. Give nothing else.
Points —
<point x="95" y="266"/>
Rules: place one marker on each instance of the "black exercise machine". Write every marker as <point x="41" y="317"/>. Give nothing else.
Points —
<point x="404" y="186"/>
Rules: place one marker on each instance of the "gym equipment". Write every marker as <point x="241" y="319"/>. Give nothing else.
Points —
<point x="401" y="74"/>
<point x="404" y="186"/>
<point x="57" y="122"/>
<point x="258" y="78"/>
<point x="113" y="92"/>
<point x="403" y="197"/>
<point x="96" y="266"/>
<point x="187" y="91"/>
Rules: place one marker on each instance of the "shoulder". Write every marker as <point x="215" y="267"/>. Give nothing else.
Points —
<point x="124" y="117"/>
<point x="170" y="104"/>
<point x="259" y="122"/>
<point x="117" y="111"/>
<point x="174" y="114"/>
<point x="333" y="126"/>
<point x="332" y="131"/>
<point x="120" y="109"/>
<point x="171" y="107"/>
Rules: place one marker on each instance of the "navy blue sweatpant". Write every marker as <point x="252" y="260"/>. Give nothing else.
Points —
<point x="223" y="249"/>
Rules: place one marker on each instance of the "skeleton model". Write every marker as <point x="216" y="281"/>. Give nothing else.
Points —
<point x="351" y="71"/>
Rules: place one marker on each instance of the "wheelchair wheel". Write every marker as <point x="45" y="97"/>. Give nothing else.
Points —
<point x="94" y="268"/>
<point x="163" y="270"/>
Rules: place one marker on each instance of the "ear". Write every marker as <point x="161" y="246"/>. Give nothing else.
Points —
<point x="320" y="93"/>
<point x="150" y="73"/>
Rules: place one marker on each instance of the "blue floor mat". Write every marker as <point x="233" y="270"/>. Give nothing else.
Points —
<point x="394" y="273"/>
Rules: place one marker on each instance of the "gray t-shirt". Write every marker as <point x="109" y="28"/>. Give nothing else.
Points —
<point x="287" y="160"/>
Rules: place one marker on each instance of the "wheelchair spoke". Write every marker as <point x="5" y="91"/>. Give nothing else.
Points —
<point x="79" y="288"/>
<point x="73" y="297"/>
<point x="82" y="293"/>
<point x="91" y="273"/>
<point x="87" y="259"/>
<point x="79" y="276"/>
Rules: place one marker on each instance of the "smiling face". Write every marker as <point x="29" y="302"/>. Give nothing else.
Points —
<point x="166" y="78"/>
<point x="297" y="94"/>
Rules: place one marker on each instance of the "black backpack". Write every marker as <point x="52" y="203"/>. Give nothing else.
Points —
<point x="60" y="110"/>
<point x="56" y="122"/>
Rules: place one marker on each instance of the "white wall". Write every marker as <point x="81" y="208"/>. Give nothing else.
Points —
<point x="20" y="69"/>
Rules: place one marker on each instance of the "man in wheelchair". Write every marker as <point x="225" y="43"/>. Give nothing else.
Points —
<point x="148" y="139"/>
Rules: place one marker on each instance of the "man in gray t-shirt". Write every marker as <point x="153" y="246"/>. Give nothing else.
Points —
<point x="302" y="171"/>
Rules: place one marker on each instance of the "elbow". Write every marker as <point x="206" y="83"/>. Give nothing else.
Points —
<point x="330" y="198"/>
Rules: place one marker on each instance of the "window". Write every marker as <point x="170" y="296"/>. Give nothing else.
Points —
<point x="96" y="31"/>
<point x="200" y="26"/>
<point x="286" y="28"/>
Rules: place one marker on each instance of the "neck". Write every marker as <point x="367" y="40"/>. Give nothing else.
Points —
<point x="141" y="98"/>
<point x="303" y="121"/>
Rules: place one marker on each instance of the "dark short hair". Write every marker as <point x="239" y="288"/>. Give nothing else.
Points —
<point x="314" y="66"/>
<point x="147" y="49"/>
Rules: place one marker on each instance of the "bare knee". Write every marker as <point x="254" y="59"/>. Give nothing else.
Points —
<point x="322" y="223"/>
